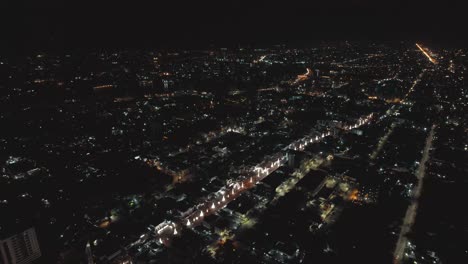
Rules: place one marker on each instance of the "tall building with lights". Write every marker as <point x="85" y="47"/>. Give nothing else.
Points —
<point x="21" y="248"/>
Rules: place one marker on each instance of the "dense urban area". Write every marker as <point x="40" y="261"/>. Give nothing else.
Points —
<point x="340" y="153"/>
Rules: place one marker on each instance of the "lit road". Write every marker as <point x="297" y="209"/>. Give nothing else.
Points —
<point x="262" y="58"/>
<point x="410" y="215"/>
<point x="411" y="89"/>
<point x="303" y="77"/>
<point x="382" y="141"/>
<point x="426" y="54"/>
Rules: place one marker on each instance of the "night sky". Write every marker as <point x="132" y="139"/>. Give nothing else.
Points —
<point x="75" y="24"/>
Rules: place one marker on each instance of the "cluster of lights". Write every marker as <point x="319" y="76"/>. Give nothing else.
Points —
<point x="171" y="227"/>
<point x="361" y="121"/>
<point x="261" y="171"/>
<point x="302" y="143"/>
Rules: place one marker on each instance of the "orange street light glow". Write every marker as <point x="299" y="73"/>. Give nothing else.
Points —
<point x="426" y="54"/>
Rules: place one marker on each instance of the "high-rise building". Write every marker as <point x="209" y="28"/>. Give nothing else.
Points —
<point x="21" y="248"/>
<point x="89" y="253"/>
<point x="166" y="84"/>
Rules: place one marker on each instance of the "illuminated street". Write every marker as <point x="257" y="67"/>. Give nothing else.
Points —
<point x="410" y="215"/>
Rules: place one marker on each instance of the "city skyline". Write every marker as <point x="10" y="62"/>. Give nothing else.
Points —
<point x="235" y="132"/>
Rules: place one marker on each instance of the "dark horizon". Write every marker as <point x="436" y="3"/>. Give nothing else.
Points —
<point x="61" y="26"/>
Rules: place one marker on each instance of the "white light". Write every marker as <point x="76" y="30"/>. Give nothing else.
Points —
<point x="160" y="241"/>
<point x="175" y="231"/>
<point x="201" y="214"/>
<point x="188" y="222"/>
<point x="213" y="206"/>
<point x="224" y="199"/>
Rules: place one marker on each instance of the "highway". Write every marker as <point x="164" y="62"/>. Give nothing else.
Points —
<point x="411" y="212"/>
<point x="426" y="54"/>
